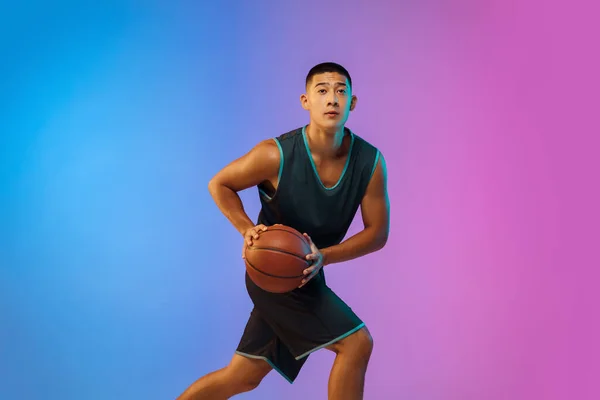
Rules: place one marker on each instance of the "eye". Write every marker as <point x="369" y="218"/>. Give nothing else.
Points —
<point x="342" y="91"/>
<point x="322" y="91"/>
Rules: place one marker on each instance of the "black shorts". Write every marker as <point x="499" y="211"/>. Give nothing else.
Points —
<point x="283" y="329"/>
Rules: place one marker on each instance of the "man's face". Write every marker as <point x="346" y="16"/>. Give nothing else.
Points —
<point x="329" y="100"/>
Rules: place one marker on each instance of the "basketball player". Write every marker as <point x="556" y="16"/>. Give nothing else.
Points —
<point x="313" y="179"/>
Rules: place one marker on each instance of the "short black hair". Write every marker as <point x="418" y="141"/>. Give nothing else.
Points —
<point x="328" y="67"/>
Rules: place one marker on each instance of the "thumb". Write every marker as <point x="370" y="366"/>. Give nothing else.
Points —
<point x="308" y="238"/>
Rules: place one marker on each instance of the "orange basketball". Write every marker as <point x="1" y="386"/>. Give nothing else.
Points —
<point x="276" y="260"/>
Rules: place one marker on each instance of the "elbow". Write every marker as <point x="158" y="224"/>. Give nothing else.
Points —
<point x="381" y="239"/>
<point x="213" y="185"/>
<point x="384" y="234"/>
<point x="217" y="188"/>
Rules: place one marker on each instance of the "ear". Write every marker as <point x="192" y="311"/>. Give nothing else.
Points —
<point x="353" y="102"/>
<point x="304" y="101"/>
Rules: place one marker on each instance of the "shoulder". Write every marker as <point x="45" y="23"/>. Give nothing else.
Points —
<point x="267" y="151"/>
<point x="272" y="149"/>
<point x="371" y="157"/>
<point x="366" y="150"/>
<point x="364" y="144"/>
<point x="290" y="136"/>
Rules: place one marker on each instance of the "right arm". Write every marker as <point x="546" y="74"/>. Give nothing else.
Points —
<point x="258" y="165"/>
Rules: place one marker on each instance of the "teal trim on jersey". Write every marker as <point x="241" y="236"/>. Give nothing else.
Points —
<point x="374" y="165"/>
<point x="345" y="335"/>
<point x="312" y="162"/>
<point x="269" y="198"/>
<point x="268" y="362"/>
<point x="281" y="160"/>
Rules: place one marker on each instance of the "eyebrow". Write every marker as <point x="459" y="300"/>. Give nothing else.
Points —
<point x="327" y="84"/>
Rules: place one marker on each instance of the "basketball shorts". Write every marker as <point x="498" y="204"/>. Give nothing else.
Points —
<point x="284" y="328"/>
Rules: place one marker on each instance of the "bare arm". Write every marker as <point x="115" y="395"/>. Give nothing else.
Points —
<point x="375" y="209"/>
<point x="258" y="165"/>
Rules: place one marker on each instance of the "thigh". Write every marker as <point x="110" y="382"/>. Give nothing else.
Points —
<point x="260" y="342"/>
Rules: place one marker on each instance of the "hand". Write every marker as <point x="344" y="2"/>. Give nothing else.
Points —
<point x="317" y="262"/>
<point x="250" y="235"/>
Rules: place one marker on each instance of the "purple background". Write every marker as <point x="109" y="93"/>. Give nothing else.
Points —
<point x="119" y="278"/>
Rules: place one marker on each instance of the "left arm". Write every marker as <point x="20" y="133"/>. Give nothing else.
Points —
<point x="375" y="210"/>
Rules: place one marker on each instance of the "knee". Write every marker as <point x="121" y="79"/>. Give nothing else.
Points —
<point x="359" y="345"/>
<point x="244" y="381"/>
<point x="365" y="342"/>
<point x="247" y="384"/>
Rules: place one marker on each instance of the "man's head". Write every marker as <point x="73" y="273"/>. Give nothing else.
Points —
<point x="328" y="96"/>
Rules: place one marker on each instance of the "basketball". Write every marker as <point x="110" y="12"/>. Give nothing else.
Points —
<point x="276" y="260"/>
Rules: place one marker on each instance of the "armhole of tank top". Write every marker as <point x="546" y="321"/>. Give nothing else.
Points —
<point x="374" y="165"/>
<point x="281" y="160"/>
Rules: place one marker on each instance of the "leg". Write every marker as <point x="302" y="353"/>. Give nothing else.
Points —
<point x="347" y="378"/>
<point x="241" y="375"/>
<point x="314" y="317"/>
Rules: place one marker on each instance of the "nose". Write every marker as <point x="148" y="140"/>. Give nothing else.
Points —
<point x="332" y="99"/>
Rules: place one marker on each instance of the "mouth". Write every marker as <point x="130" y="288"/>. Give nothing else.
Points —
<point x="332" y="113"/>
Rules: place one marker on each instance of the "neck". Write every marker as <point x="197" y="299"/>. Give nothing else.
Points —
<point x="324" y="142"/>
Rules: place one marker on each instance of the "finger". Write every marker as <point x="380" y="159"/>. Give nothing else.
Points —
<point x="312" y="256"/>
<point x="257" y="230"/>
<point x="312" y="245"/>
<point x="308" y="278"/>
<point x="262" y="228"/>
<point x="308" y="270"/>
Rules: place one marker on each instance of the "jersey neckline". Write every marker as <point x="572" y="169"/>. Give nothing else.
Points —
<point x="314" y="167"/>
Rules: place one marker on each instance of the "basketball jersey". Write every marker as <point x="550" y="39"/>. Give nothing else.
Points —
<point x="302" y="202"/>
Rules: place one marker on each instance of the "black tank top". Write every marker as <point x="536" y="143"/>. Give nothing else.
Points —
<point x="302" y="202"/>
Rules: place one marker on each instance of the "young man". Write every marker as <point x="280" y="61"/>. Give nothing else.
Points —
<point x="312" y="179"/>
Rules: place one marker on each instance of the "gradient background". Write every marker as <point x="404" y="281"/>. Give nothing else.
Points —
<point x="120" y="279"/>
